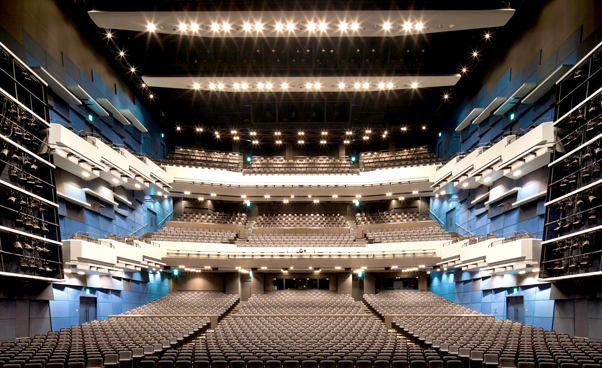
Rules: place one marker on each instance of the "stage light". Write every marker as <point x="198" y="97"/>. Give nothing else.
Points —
<point x="308" y="85"/>
<point x="343" y="26"/>
<point x="196" y="86"/>
<point x="323" y="26"/>
<point x="247" y="27"/>
<point x="414" y="85"/>
<point x="419" y="26"/>
<point x="267" y="196"/>
<point x="183" y="27"/>
<point x="366" y="137"/>
<point x="387" y="26"/>
<point x="178" y="128"/>
<point x="368" y="131"/>
<point x="236" y="138"/>
<point x="341" y="85"/>
<point x="464" y="70"/>
<point x="322" y="142"/>
<point x="284" y="85"/>
<point x="233" y="132"/>
<point x="335" y="196"/>
<point x="151" y="27"/>
<point x="355" y="26"/>
<point x="226" y="27"/>
<point x="407" y="26"/>
<point x="324" y="133"/>
<point x="301" y="133"/>
<point x="268" y="85"/>
<point x="290" y="27"/>
<point x="215" y="27"/>
<point x="311" y="26"/>
<point x="194" y="27"/>
<point x="316" y="201"/>
<point x="258" y="26"/>
<point x="253" y="133"/>
<point x="278" y="142"/>
<point x="414" y="192"/>
<point x="279" y="27"/>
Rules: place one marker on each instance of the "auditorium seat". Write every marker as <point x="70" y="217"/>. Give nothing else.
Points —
<point x="408" y="157"/>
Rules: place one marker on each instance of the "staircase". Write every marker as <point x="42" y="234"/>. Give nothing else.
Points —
<point x="224" y="318"/>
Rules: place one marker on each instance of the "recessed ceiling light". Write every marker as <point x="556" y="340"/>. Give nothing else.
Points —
<point x="260" y="85"/>
<point x="381" y="85"/>
<point x="220" y="85"/>
<point x="226" y="27"/>
<point x="487" y="35"/>
<point x="196" y="86"/>
<point x="401" y="198"/>
<point x="244" y="86"/>
<point x="151" y="96"/>
<point x="389" y="85"/>
<point x="194" y="27"/>
<point x="211" y="85"/>
<point x="341" y="85"/>
<point x="284" y="85"/>
<point x="317" y="86"/>
<point x="215" y="27"/>
<point x="424" y="127"/>
<point x="290" y="27"/>
<point x="279" y="27"/>
<point x="387" y="26"/>
<point x="183" y="27"/>
<point x="446" y="96"/>
<point x="132" y="69"/>
<point x="151" y="27"/>
<point x="308" y="85"/>
<point x="311" y="26"/>
<point x="356" y="85"/>
<point x="258" y="26"/>
<point x="419" y="26"/>
<point x="475" y="54"/>
<point x="236" y="86"/>
<point x="366" y="85"/>
<point x="121" y="53"/>
<point x="268" y="85"/>
<point x="464" y="70"/>
<point x="323" y="26"/>
<point x="343" y="26"/>
<point x="355" y="26"/>
<point x="407" y="26"/>
<point x="246" y="26"/>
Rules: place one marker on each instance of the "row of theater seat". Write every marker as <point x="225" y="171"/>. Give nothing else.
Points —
<point x="301" y="220"/>
<point x="323" y="165"/>
<point x="293" y="302"/>
<point x="226" y="218"/>
<point x="184" y="234"/>
<point x="388" y="218"/>
<point x="413" y="302"/>
<point x="188" y="303"/>
<point x="190" y="157"/>
<point x="300" y="240"/>
<point x="432" y="233"/>
<point x="408" y="157"/>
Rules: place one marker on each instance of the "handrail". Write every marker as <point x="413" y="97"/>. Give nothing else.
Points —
<point x="140" y="228"/>
<point x="465" y="229"/>
<point x="164" y="218"/>
<point x="436" y="217"/>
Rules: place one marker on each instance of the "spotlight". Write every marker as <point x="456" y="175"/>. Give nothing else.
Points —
<point x="487" y="35"/>
<point x="133" y="70"/>
<point x="233" y="132"/>
<point x="419" y="26"/>
<point x="355" y="26"/>
<point x="464" y="70"/>
<point x="258" y="26"/>
<point x="277" y="133"/>
<point x="317" y="86"/>
<point x="389" y="194"/>
<point x="311" y="26"/>
<point x="109" y="35"/>
<point x="414" y="85"/>
<point x="324" y="133"/>
<point x="356" y="85"/>
<point x="199" y="129"/>
<point x="292" y="196"/>
<point x="368" y="131"/>
<point x="343" y="26"/>
<point x="446" y="96"/>
<point x="253" y="133"/>
<point x="215" y="27"/>
<point x="387" y="26"/>
<point x="323" y="26"/>
<point x="255" y="142"/>
<point x="236" y="138"/>
<point x="217" y="135"/>
<point x="407" y="26"/>
<point x="260" y="85"/>
<point x="475" y="54"/>
<point x="121" y="53"/>
<point x="220" y="85"/>
<point x="278" y="142"/>
<point x="247" y="27"/>
<point x="290" y="27"/>
<point x="308" y="85"/>
<point x="301" y="141"/>
<point x="196" y="86"/>
<point x="301" y="133"/>
<point x="194" y="27"/>
<point x="341" y="85"/>
<point x="211" y="85"/>
<point x="389" y="85"/>
<point x="268" y="85"/>
<point x="366" y="85"/>
<point x="178" y="128"/>
<point x="366" y="137"/>
<point x="401" y="198"/>
<point x="183" y="27"/>
<point x="404" y="129"/>
<point x="151" y="96"/>
<point x="236" y="86"/>
<point x="226" y="27"/>
<point x="151" y="27"/>
<point x="284" y="85"/>
<point x="285" y="201"/>
<point x="424" y="127"/>
<point x="244" y="86"/>
<point x="346" y="141"/>
<point x="349" y="132"/>
<point x="322" y="142"/>
<point x="279" y="27"/>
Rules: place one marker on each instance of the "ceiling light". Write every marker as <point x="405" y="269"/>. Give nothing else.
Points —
<point x="285" y="201"/>
<point x="226" y="27"/>
<point x="253" y="133"/>
<point x="115" y="180"/>
<point x="389" y="194"/>
<point x="236" y="86"/>
<point x="197" y="129"/>
<point x="414" y="192"/>
<point x="346" y="141"/>
<point x="407" y="26"/>
<point x="475" y="54"/>
<point x="464" y="185"/>
<point x="419" y="26"/>
<point x="233" y="132"/>
<point x="323" y="26"/>
<point x="517" y="173"/>
<point x="220" y="85"/>
<point x="337" y="267"/>
<point x="358" y="196"/>
<point x="324" y="133"/>
<point x="316" y="201"/>
<point x="356" y="85"/>
<point x="196" y="86"/>
<point x="343" y="26"/>
<point x="85" y="174"/>
<point x="279" y="26"/>
<point x="355" y="26"/>
<point x="243" y="196"/>
<point x="278" y="142"/>
<point x="247" y="27"/>
<point x="487" y="35"/>
<point x="132" y="69"/>
<point x="387" y="26"/>
<point x="183" y="27"/>
<point x="201" y="199"/>
<point x="335" y="196"/>
<point x="244" y="86"/>
<point x="290" y="27"/>
<point x="404" y="129"/>
<point x="255" y="142"/>
<point x="260" y="85"/>
<point x="277" y="133"/>
<point x="268" y="85"/>
<point x="349" y="132"/>
<point x="487" y="180"/>
<point x="151" y="96"/>
<point x="194" y="27"/>
<point x="109" y="35"/>
<point x="522" y="272"/>
<point x="81" y="273"/>
<point x="366" y="137"/>
<point x="341" y="85"/>
<point x="446" y="96"/>
<point x="308" y="85"/>
<point x="215" y="27"/>
<point x="284" y="85"/>
<point x="187" y="192"/>
<point x="213" y="194"/>
<point x="301" y="141"/>
<point x="424" y="127"/>
<point x="121" y="53"/>
<point x="151" y="27"/>
<point x="366" y="85"/>
<point x="389" y="85"/>
<point x="137" y="186"/>
<point x="464" y="70"/>
<point x="317" y="86"/>
<point x="311" y="26"/>
<point x="266" y="196"/>
<point x="436" y="195"/>
<point x="258" y="26"/>
<point x="414" y="85"/>
<point x="381" y="85"/>
<point x="323" y="142"/>
<point x="292" y="196"/>
<point x="300" y="133"/>
<point x="211" y="85"/>
<point x="535" y="270"/>
<point x="236" y="138"/>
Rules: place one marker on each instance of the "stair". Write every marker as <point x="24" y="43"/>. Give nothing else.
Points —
<point x="224" y="318"/>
